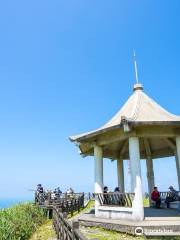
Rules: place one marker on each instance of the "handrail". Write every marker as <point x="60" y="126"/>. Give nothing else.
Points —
<point x="47" y="200"/>
<point x="63" y="228"/>
<point x="61" y="206"/>
<point x="115" y="199"/>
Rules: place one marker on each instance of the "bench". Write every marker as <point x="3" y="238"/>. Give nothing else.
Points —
<point x="163" y="195"/>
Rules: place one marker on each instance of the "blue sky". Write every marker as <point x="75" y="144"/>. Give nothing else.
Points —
<point x="66" y="67"/>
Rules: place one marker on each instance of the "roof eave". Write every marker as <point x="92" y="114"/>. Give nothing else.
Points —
<point x="131" y="123"/>
<point x="93" y="134"/>
<point x="154" y="123"/>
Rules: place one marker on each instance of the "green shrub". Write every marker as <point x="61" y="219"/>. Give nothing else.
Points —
<point x="20" y="222"/>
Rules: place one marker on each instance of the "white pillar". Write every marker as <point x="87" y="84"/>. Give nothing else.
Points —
<point x="120" y="174"/>
<point x="136" y="182"/>
<point x="177" y="155"/>
<point x="134" y="155"/>
<point x="98" y="174"/>
<point x="178" y="169"/>
<point x="150" y="174"/>
<point x="98" y="157"/>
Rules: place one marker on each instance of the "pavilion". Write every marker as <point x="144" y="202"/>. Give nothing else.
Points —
<point x="142" y="129"/>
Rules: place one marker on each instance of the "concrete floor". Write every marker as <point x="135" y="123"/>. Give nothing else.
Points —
<point x="157" y="222"/>
<point x="160" y="213"/>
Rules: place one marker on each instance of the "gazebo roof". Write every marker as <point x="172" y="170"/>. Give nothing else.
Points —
<point x="139" y="109"/>
<point x="140" y="116"/>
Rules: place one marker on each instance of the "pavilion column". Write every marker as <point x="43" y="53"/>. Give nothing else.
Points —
<point x="178" y="169"/>
<point x="136" y="181"/>
<point x="98" y="184"/>
<point x="177" y="156"/>
<point x="120" y="174"/>
<point x="150" y="174"/>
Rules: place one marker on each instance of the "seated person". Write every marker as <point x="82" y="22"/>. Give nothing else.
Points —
<point x="155" y="196"/>
<point x="118" y="197"/>
<point x="172" y="196"/>
<point x="105" y="189"/>
<point x="106" y="197"/>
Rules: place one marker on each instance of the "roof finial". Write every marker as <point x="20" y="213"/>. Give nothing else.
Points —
<point x="135" y="67"/>
<point x="137" y="86"/>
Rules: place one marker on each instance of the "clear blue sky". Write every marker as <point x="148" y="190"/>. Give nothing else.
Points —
<point x="66" y="67"/>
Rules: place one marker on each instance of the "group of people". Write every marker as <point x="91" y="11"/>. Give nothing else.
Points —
<point x="171" y="197"/>
<point x="55" y="193"/>
<point x="114" y="199"/>
<point x="116" y="190"/>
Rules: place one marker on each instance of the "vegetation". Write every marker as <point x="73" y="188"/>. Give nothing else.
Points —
<point x="88" y="207"/>
<point x="20" y="222"/>
<point x="44" y="232"/>
<point x="146" y="202"/>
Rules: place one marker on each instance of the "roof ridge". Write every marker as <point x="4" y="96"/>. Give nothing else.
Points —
<point x="136" y="108"/>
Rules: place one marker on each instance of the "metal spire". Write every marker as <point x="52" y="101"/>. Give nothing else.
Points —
<point x="135" y="67"/>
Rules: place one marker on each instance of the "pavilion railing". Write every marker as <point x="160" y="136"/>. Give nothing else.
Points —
<point x="115" y="199"/>
<point x="164" y="195"/>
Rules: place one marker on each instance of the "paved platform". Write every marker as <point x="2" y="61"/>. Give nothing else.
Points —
<point x="157" y="222"/>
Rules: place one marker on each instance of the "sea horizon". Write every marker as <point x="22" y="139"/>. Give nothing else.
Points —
<point x="9" y="202"/>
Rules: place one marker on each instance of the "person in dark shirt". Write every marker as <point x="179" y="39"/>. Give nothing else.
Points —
<point x="106" y="197"/>
<point x="155" y="196"/>
<point x="40" y="194"/>
<point x="39" y="188"/>
<point x="172" y="196"/>
<point x="119" y="198"/>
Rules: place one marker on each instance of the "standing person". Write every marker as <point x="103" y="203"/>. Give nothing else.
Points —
<point x="58" y="192"/>
<point x="39" y="188"/>
<point x="172" y="196"/>
<point x="71" y="190"/>
<point x="155" y="196"/>
<point x="39" y="194"/>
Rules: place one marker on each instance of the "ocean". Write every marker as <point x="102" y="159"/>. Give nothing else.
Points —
<point x="5" y="203"/>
